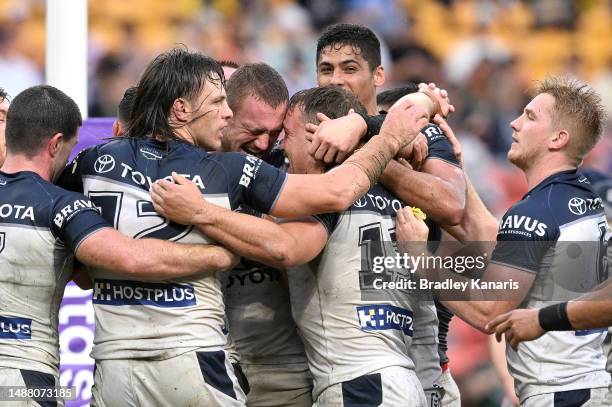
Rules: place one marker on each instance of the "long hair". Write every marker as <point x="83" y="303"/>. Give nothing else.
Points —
<point x="175" y="74"/>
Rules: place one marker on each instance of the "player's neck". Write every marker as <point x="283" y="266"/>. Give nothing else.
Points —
<point x="371" y="107"/>
<point x="18" y="163"/>
<point x="539" y="172"/>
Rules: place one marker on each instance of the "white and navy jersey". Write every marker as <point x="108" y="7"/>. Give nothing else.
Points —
<point x="258" y="307"/>
<point x="349" y="328"/>
<point x="602" y="185"/>
<point x="138" y="319"/>
<point x="557" y="231"/>
<point x="41" y="226"/>
<point x="259" y="315"/>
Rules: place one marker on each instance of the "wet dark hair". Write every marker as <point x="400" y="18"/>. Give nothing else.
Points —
<point x="124" y="109"/>
<point x="35" y="115"/>
<point x="389" y="97"/>
<point x="175" y="74"/>
<point x="3" y="95"/>
<point x="361" y="38"/>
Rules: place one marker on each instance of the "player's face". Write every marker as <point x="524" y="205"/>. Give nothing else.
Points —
<point x="345" y="67"/>
<point x="3" y="109"/>
<point x="254" y="128"/>
<point x="296" y="145"/>
<point x="532" y="130"/>
<point x="209" y="115"/>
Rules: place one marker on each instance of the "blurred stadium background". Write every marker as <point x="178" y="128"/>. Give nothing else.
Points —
<point x="487" y="53"/>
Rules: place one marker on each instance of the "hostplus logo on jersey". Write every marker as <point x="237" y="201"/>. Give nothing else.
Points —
<point x="381" y="317"/>
<point x="15" y="328"/>
<point x="105" y="163"/>
<point x="126" y="292"/>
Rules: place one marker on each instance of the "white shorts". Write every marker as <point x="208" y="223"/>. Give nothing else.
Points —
<point x="452" y="397"/>
<point x="204" y="379"/>
<point x="27" y="379"/>
<point x="388" y="387"/>
<point x="287" y="385"/>
<point x="584" y="398"/>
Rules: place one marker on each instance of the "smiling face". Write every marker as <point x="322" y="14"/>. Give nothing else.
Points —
<point x="532" y="131"/>
<point x="344" y="66"/>
<point x="254" y="128"/>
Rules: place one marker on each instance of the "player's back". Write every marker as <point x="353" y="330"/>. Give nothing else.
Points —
<point x="349" y="328"/>
<point x="563" y="219"/>
<point x="136" y="319"/>
<point x="35" y="266"/>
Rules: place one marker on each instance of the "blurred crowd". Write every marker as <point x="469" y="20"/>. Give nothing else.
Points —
<point x="487" y="53"/>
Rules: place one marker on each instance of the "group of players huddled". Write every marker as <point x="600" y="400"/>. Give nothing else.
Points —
<point x="232" y="267"/>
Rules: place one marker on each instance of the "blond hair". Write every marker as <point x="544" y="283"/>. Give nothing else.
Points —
<point x="579" y="109"/>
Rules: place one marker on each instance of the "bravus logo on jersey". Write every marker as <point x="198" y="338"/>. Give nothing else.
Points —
<point x="72" y="209"/>
<point x="522" y="225"/>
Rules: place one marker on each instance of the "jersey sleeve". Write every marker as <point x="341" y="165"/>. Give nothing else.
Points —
<point x="74" y="217"/>
<point x="525" y="234"/>
<point x="438" y="144"/>
<point x="253" y="182"/>
<point x="328" y="220"/>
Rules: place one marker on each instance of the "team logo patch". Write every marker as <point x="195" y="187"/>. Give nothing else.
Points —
<point x="125" y="292"/>
<point x="150" y="154"/>
<point x="15" y="328"/>
<point x="381" y="317"/>
<point x="104" y="164"/>
<point x="577" y="206"/>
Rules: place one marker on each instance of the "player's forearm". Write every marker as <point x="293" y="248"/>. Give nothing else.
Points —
<point x="156" y="259"/>
<point x="439" y="199"/>
<point x="251" y="237"/>
<point x="592" y="310"/>
<point x="477" y="223"/>
<point x="336" y="190"/>
<point x="478" y="313"/>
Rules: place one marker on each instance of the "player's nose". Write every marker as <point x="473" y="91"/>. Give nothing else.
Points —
<point x="262" y="142"/>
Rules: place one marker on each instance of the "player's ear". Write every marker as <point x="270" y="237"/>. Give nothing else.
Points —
<point x="54" y="144"/>
<point x="180" y="108"/>
<point x="116" y="128"/>
<point x="559" y="140"/>
<point x="379" y="76"/>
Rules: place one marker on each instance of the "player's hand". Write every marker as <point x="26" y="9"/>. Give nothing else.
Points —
<point x="409" y="228"/>
<point x="333" y="140"/>
<point x="450" y="134"/>
<point x="518" y="325"/>
<point x="416" y="152"/>
<point x="181" y="202"/>
<point x="439" y="97"/>
<point x="404" y="122"/>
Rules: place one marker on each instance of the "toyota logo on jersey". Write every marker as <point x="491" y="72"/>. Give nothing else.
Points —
<point x="361" y="202"/>
<point x="104" y="164"/>
<point x="577" y="206"/>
